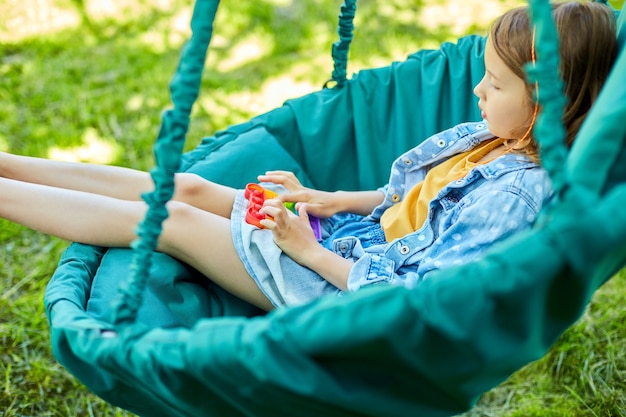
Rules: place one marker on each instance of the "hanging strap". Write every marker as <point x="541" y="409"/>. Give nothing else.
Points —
<point x="184" y="89"/>
<point x="549" y="130"/>
<point x="341" y="48"/>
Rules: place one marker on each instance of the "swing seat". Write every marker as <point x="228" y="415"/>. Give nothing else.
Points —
<point x="431" y="351"/>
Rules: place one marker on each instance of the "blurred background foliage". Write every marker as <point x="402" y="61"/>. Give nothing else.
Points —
<point x="87" y="79"/>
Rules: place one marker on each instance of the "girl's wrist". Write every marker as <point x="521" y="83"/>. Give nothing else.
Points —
<point x="330" y="266"/>
<point x="358" y="202"/>
<point x="338" y="203"/>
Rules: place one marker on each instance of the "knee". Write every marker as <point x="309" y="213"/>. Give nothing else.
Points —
<point x="204" y="194"/>
<point x="188" y="187"/>
<point x="178" y="211"/>
<point x="176" y="228"/>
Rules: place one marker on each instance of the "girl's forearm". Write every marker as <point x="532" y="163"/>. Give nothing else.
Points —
<point x="357" y="202"/>
<point x="330" y="266"/>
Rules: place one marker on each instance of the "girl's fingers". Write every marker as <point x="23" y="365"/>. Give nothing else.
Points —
<point x="284" y="178"/>
<point x="287" y="174"/>
<point x="268" y="224"/>
<point x="302" y="211"/>
<point x="293" y="196"/>
<point x="274" y="208"/>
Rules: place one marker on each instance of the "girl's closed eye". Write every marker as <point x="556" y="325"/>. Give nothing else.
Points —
<point x="493" y="83"/>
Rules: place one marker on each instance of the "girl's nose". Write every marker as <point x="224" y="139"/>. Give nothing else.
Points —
<point x="478" y="88"/>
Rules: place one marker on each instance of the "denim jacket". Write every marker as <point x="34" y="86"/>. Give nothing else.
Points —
<point x="492" y="202"/>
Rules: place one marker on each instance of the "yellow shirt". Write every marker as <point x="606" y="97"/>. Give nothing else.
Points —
<point x="409" y="215"/>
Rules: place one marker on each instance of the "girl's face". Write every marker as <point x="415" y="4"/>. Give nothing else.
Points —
<point x="503" y="98"/>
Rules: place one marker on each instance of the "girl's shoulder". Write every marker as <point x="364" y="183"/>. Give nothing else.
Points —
<point x="446" y="143"/>
<point x="519" y="177"/>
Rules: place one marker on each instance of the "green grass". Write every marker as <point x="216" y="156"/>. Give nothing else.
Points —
<point x="93" y="89"/>
<point x="583" y="374"/>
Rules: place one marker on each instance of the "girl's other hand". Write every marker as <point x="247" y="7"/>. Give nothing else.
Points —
<point x="293" y="234"/>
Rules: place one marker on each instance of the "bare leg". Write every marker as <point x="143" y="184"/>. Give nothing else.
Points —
<point x="118" y="182"/>
<point x="71" y="215"/>
<point x="199" y="238"/>
<point x="204" y="241"/>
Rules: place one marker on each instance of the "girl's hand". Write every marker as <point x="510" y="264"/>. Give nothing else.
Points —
<point x="293" y="234"/>
<point x="319" y="203"/>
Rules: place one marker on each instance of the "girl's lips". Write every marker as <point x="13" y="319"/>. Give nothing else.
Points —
<point x="483" y="114"/>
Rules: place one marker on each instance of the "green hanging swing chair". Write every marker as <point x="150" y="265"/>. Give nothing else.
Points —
<point x="163" y="341"/>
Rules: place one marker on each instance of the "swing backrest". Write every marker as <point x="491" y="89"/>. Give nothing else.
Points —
<point x="346" y="138"/>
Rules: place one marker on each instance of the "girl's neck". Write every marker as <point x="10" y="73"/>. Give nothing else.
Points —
<point x="495" y="153"/>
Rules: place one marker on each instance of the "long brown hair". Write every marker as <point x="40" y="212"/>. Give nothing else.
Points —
<point x="587" y="49"/>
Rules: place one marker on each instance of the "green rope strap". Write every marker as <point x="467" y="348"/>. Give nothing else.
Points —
<point x="184" y="89"/>
<point x="341" y="48"/>
<point x="549" y="130"/>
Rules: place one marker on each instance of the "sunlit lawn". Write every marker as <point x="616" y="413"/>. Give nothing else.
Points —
<point x="92" y="88"/>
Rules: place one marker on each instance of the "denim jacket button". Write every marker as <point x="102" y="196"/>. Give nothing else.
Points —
<point x="407" y="161"/>
<point x="343" y="247"/>
<point x="395" y="198"/>
<point x="441" y="143"/>
<point x="404" y="249"/>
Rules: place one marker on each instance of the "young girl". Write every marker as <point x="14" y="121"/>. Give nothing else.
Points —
<point x="448" y="200"/>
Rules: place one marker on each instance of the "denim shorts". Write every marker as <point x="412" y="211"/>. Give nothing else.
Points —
<point x="283" y="281"/>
